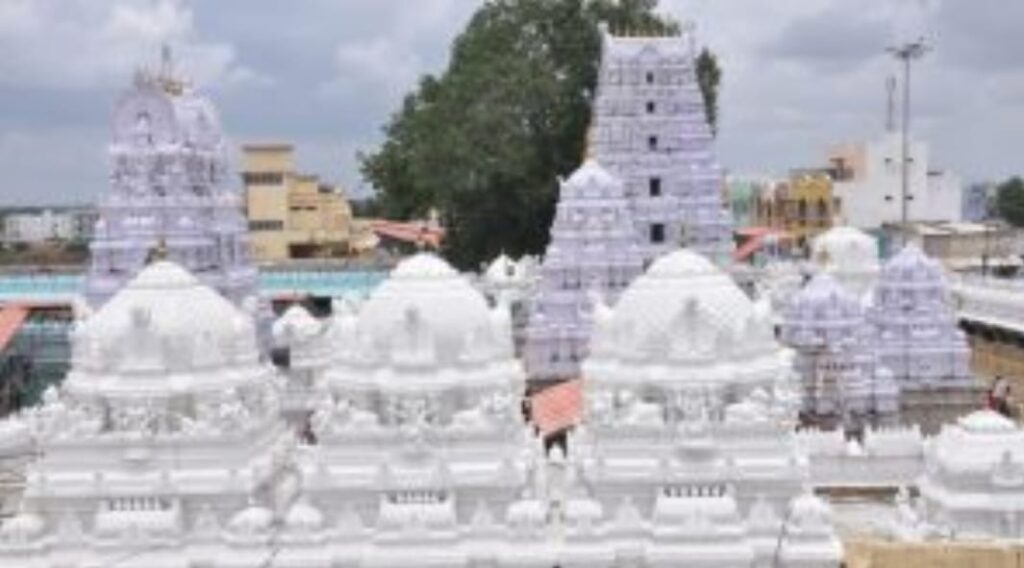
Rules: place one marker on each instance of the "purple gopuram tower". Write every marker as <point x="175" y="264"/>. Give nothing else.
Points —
<point x="651" y="131"/>
<point x="168" y="194"/>
<point x="592" y="250"/>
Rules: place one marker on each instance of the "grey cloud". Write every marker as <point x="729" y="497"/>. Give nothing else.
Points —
<point x="839" y="38"/>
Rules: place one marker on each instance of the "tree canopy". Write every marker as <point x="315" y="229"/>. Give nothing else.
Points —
<point x="485" y="141"/>
<point x="1010" y="201"/>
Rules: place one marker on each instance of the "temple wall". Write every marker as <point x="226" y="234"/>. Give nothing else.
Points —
<point x="873" y="553"/>
<point x="888" y="457"/>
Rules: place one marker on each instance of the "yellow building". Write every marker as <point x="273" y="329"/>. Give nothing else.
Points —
<point x="802" y="205"/>
<point x="291" y="215"/>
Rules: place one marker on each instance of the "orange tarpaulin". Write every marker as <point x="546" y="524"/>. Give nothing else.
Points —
<point x="558" y="407"/>
<point x="412" y="232"/>
<point x="757" y="236"/>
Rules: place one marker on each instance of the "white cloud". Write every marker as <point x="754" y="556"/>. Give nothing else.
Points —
<point x="85" y="44"/>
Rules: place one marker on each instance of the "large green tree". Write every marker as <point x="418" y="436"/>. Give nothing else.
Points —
<point x="709" y="77"/>
<point x="485" y="141"/>
<point x="1010" y="201"/>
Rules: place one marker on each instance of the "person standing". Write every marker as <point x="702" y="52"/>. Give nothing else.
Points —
<point x="1000" y="396"/>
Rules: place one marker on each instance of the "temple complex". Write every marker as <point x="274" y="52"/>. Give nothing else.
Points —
<point x="169" y="192"/>
<point x="592" y="252"/>
<point x="650" y="130"/>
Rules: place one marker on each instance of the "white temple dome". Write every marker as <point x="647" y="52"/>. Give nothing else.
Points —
<point x="303" y="517"/>
<point x="986" y="422"/>
<point x="296" y="324"/>
<point x="845" y="247"/>
<point x="684" y="321"/>
<point x="163" y="320"/>
<point x="425" y="292"/>
<point x="504" y="270"/>
<point x="591" y="174"/>
<point x="660" y="296"/>
<point x="253" y="520"/>
<point x="850" y="254"/>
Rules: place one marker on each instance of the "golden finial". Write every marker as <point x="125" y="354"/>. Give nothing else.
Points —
<point x="166" y="79"/>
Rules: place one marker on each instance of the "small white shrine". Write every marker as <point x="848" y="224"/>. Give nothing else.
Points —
<point x="850" y="256"/>
<point x="593" y="252"/>
<point x="165" y="435"/>
<point x="973" y="485"/>
<point x="689" y="426"/>
<point x="917" y="339"/>
<point x="835" y="357"/>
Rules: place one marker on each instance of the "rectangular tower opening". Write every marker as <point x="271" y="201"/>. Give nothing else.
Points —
<point x="654" y="186"/>
<point x="658" y="233"/>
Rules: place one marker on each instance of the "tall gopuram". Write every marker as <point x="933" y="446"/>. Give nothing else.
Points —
<point x="164" y="438"/>
<point x="917" y="338"/>
<point x="650" y="129"/>
<point x="168" y="191"/>
<point x="842" y="384"/>
<point x="687" y="444"/>
<point x="593" y="251"/>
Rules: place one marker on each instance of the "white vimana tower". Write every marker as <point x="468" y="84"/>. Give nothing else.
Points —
<point x="650" y="129"/>
<point x="168" y="170"/>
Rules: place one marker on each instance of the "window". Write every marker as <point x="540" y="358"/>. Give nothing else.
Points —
<point x="263" y="178"/>
<point x="650" y="77"/>
<point x="650" y="107"/>
<point x="654" y="185"/>
<point x="652" y="143"/>
<point x="266" y="225"/>
<point x="657" y="233"/>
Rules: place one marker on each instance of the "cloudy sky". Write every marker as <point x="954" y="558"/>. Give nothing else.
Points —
<point x="326" y="74"/>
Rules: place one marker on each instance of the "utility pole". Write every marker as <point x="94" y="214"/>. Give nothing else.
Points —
<point x="907" y="53"/>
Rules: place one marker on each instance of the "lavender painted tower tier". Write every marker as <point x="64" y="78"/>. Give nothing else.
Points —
<point x="842" y="383"/>
<point x="919" y="341"/>
<point x="168" y="174"/>
<point x="651" y="130"/>
<point x="592" y="251"/>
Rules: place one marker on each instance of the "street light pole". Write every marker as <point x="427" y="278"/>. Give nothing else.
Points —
<point x="906" y="53"/>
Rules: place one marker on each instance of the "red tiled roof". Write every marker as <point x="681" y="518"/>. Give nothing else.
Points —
<point x="11" y="318"/>
<point x="558" y="407"/>
<point x="411" y="232"/>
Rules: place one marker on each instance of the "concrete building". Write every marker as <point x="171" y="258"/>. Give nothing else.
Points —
<point x="868" y="180"/>
<point x="978" y="199"/>
<point x="38" y="227"/>
<point x="803" y="205"/>
<point x="291" y="215"/>
<point x="969" y="247"/>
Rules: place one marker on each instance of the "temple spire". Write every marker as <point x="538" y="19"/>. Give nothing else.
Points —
<point x="166" y="77"/>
